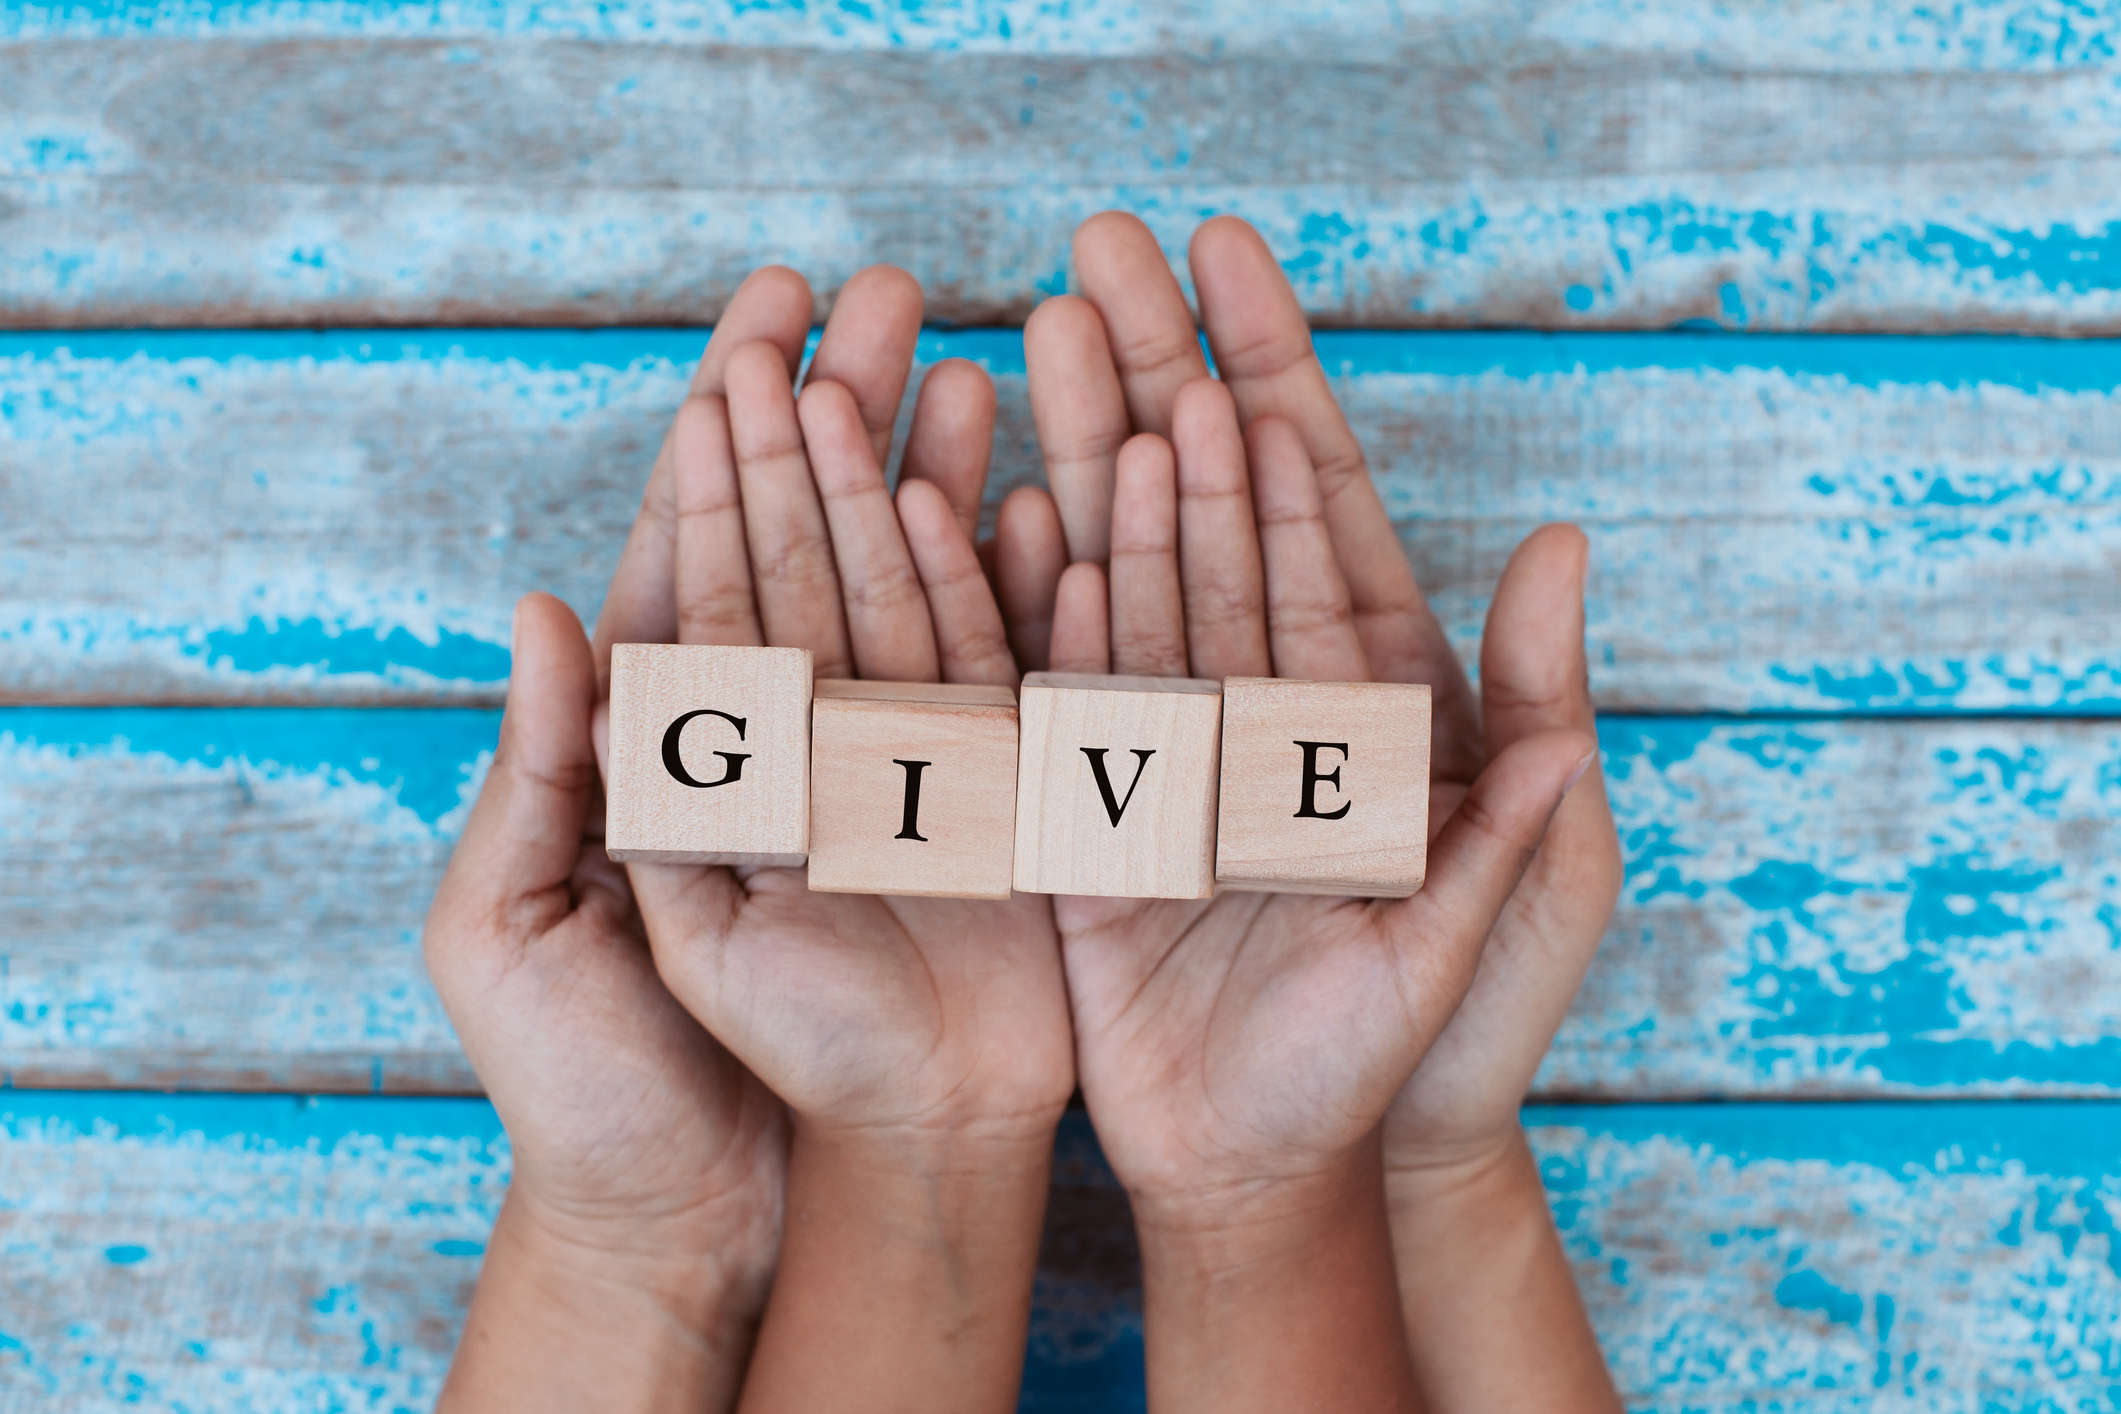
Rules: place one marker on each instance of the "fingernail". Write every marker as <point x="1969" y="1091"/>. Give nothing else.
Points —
<point x="515" y="631"/>
<point x="1577" y="774"/>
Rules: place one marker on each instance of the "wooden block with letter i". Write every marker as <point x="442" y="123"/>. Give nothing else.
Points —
<point x="1325" y="787"/>
<point x="1115" y="790"/>
<point x="709" y="756"/>
<point x="913" y="789"/>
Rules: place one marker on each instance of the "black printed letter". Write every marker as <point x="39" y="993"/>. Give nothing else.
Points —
<point x="674" y="763"/>
<point x="1312" y="776"/>
<point x="909" y="827"/>
<point x="1104" y="785"/>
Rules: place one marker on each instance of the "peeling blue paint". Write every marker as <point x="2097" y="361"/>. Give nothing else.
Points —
<point x="1860" y="360"/>
<point x="249" y="1121"/>
<point x="338" y="649"/>
<point x="2061" y="260"/>
<point x="1807" y="1290"/>
<point x="125" y="1255"/>
<point x="425" y="757"/>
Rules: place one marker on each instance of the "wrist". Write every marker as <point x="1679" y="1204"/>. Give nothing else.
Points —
<point x="1487" y="1185"/>
<point x="1274" y="1294"/>
<point x="905" y="1276"/>
<point x="703" y="1274"/>
<point x="566" y="1318"/>
<point x="1246" y="1222"/>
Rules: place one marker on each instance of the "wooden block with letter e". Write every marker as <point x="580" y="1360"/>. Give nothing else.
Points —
<point x="709" y="756"/>
<point x="913" y="789"/>
<point x="1115" y="790"/>
<point x="1325" y="787"/>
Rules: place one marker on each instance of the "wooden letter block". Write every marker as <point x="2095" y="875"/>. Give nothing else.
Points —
<point x="1115" y="786"/>
<point x="1325" y="787"/>
<point x="913" y="789"/>
<point x="710" y="755"/>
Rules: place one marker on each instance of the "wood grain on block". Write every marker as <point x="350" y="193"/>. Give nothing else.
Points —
<point x="1591" y="164"/>
<point x="710" y="755"/>
<point x="233" y="898"/>
<point x="1325" y="787"/>
<point x="1115" y="791"/>
<point x="912" y="789"/>
<point x="1805" y="524"/>
<point x="224" y="1254"/>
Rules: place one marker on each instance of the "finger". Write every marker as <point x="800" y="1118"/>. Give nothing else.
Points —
<point x="1030" y="551"/>
<point x="1219" y="569"/>
<point x="1533" y="678"/>
<point x="713" y="569"/>
<point x="1082" y="639"/>
<point x="970" y="642"/>
<point x="524" y="838"/>
<point x="1147" y="606"/>
<point x="1480" y="855"/>
<point x="793" y="576"/>
<point x="1533" y="675"/>
<point x="1124" y="272"/>
<point x="1263" y="350"/>
<point x="887" y="612"/>
<point x="773" y="305"/>
<point x="952" y="440"/>
<point x="867" y="347"/>
<point x="1080" y="415"/>
<point x="1310" y="622"/>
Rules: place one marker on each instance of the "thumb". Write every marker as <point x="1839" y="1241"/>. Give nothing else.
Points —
<point x="1481" y="853"/>
<point x="524" y="837"/>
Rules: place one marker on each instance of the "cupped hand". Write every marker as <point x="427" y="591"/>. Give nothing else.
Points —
<point x="1230" y="1044"/>
<point x="1109" y="364"/>
<point x="647" y="1162"/>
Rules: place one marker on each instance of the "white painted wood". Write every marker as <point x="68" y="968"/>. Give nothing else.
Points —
<point x="1588" y="163"/>
<point x="232" y="899"/>
<point x="1870" y="524"/>
<point x="238" y="1254"/>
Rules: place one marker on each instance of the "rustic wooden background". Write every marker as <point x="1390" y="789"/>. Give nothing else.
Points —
<point x="339" y="323"/>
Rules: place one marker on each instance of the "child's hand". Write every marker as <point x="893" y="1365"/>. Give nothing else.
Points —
<point x="922" y="1045"/>
<point x="632" y="1256"/>
<point x="1457" y="1115"/>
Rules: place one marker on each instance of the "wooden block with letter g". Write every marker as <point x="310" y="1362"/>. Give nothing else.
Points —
<point x="709" y="756"/>
<point x="913" y="789"/>
<point x="1325" y="787"/>
<point x="1115" y="786"/>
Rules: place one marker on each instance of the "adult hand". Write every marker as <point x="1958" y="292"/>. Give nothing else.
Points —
<point x="632" y="1255"/>
<point x="1117" y="358"/>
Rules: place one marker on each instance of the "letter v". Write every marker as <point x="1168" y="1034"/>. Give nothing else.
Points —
<point x="1115" y="808"/>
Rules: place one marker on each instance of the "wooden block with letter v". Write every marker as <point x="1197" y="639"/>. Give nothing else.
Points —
<point x="913" y="789"/>
<point x="1325" y="787"/>
<point x="1115" y="790"/>
<point x="709" y="756"/>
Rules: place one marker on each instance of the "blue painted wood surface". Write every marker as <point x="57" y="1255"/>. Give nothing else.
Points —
<point x="1913" y="897"/>
<point x="231" y="898"/>
<point x="1562" y="163"/>
<point x="1876" y="524"/>
<point x="268" y="1253"/>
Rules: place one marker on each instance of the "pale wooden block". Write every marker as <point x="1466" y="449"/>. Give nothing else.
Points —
<point x="1155" y="740"/>
<point x="913" y="789"/>
<point x="736" y="723"/>
<point x="1325" y="787"/>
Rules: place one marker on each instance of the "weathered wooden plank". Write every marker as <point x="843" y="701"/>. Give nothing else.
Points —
<point x="1584" y="163"/>
<point x="1847" y="908"/>
<point x="1780" y="523"/>
<point x="231" y="899"/>
<point x="227" y="1253"/>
